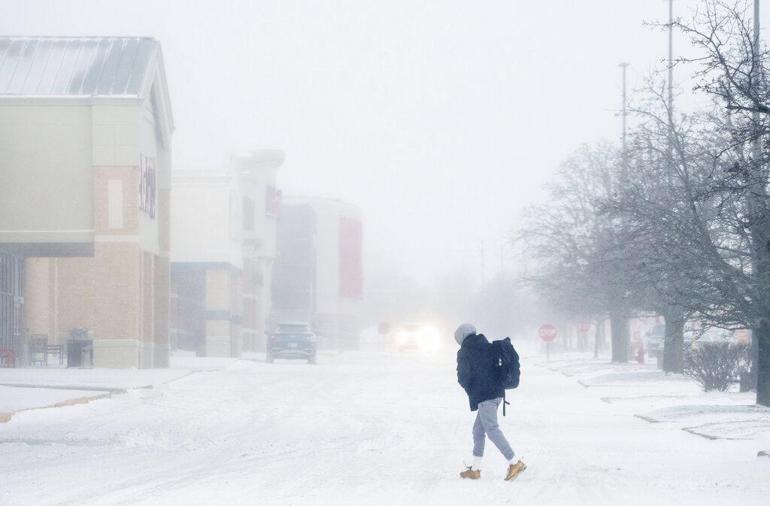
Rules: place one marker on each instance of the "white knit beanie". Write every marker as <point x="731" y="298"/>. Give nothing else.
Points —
<point x="463" y="331"/>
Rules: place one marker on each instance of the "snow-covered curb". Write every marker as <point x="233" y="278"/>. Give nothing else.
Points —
<point x="22" y="399"/>
<point x="31" y="388"/>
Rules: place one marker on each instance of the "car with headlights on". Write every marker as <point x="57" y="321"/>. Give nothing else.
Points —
<point x="292" y="340"/>
<point x="416" y="337"/>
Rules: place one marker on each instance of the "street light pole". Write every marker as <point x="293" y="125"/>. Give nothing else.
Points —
<point x="670" y="63"/>
<point x="670" y="101"/>
<point x="756" y="153"/>
<point x="483" y="268"/>
<point x="623" y="66"/>
<point x="755" y="57"/>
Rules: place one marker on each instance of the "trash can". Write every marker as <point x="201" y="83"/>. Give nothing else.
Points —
<point x="80" y="353"/>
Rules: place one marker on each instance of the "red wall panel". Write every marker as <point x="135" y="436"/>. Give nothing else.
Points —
<point x="351" y="261"/>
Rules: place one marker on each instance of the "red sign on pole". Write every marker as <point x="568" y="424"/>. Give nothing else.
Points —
<point x="547" y="332"/>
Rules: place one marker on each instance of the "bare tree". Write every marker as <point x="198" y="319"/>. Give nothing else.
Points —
<point x="679" y="224"/>
<point x="733" y="70"/>
<point x="575" y="253"/>
<point x="696" y="199"/>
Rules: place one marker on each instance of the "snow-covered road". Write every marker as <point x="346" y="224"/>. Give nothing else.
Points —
<point x="361" y="428"/>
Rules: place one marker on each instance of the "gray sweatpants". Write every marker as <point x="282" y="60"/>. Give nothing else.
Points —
<point x="486" y="424"/>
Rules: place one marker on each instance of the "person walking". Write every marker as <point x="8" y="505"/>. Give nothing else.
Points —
<point x="478" y="374"/>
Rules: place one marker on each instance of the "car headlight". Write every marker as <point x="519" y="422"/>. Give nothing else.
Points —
<point x="430" y="339"/>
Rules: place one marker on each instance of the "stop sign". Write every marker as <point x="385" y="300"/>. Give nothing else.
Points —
<point x="547" y="332"/>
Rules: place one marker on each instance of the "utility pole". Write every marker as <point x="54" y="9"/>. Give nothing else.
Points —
<point x="670" y="101"/>
<point x="756" y="153"/>
<point x="624" y="113"/>
<point x="483" y="270"/>
<point x="755" y="57"/>
<point x="755" y="79"/>
<point x="673" y="315"/>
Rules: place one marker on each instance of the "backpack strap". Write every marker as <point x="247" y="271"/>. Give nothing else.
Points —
<point x="504" y="402"/>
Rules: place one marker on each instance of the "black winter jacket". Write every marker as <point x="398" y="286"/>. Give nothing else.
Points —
<point x="477" y="370"/>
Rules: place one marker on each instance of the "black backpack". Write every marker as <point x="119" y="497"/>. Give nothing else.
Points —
<point x="509" y="370"/>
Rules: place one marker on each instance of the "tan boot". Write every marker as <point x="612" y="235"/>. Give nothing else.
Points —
<point x="514" y="470"/>
<point x="471" y="474"/>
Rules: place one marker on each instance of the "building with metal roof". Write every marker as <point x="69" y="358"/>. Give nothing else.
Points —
<point x="75" y="66"/>
<point x="85" y="177"/>
<point x="85" y="67"/>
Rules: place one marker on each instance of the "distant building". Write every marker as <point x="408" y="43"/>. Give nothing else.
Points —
<point x="223" y="246"/>
<point x="318" y="274"/>
<point x="85" y="137"/>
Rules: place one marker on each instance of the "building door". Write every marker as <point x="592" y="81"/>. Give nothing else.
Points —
<point x="11" y="305"/>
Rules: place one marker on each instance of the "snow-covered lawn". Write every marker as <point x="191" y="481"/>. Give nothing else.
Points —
<point x="382" y="428"/>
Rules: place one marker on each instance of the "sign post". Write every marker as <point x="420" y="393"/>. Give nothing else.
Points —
<point x="547" y="333"/>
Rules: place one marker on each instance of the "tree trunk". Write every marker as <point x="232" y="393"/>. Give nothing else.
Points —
<point x="762" y="337"/>
<point x="598" y="338"/>
<point x="673" y="345"/>
<point x="619" y="330"/>
<point x="749" y="383"/>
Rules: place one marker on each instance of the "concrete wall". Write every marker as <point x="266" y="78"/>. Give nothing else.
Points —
<point x="46" y="180"/>
<point x="188" y="314"/>
<point x="223" y="338"/>
<point x="204" y="213"/>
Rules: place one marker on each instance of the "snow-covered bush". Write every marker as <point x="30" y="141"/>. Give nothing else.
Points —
<point x="716" y="364"/>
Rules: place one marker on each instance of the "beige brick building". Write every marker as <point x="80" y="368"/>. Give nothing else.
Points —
<point x="223" y="247"/>
<point x="85" y="129"/>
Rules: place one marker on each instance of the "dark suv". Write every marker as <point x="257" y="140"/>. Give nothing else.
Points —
<point x="292" y="340"/>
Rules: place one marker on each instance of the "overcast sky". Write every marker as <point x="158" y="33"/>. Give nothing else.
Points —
<point x="439" y="119"/>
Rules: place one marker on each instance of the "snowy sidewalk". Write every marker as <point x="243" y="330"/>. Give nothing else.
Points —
<point x="36" y="388"/>
<point x="107" y="380"/>
<point x="676" y="400"/>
